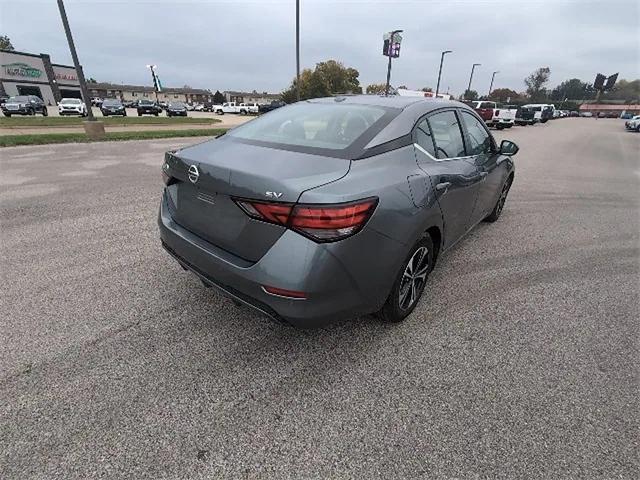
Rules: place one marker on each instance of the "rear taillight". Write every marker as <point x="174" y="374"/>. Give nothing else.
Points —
<point x="322" y="223"/>
<point x="496" y="112"/>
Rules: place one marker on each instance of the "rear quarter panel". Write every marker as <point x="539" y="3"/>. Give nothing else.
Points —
<point x="374" y="255"/>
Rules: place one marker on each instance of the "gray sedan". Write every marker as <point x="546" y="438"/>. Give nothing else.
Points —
<point x="333" y="207"/>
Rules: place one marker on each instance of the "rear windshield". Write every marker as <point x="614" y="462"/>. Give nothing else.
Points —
<point x="176" y="104"/>
<point x="315" y="125"/>
<point x="19" y="99"/>
<point x="111" y="102"/>
<point x="145" y="102"/>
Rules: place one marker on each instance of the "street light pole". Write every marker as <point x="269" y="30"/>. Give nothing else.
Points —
<point x="298" y="49"/>
<point x="440" y="71"/>
<point x="393" y="34"/>
<point x="473" y="67"/>
<point x="76" y="63"/>
<point x="492" y="78"/>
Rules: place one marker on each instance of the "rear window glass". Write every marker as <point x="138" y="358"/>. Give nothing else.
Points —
<point x="21" y="99"/>
<point x="327" y="126"/>
<point x="111" y="102"/>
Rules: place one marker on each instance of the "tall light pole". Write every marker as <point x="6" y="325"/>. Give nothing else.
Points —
<point x="492" y="78"/>
<point x="473" y="67"/>
<point x="76" y="63"/>
<point x="440" y="71"/>
<point x="393" y="34"/>
<point x="298" y="49"/>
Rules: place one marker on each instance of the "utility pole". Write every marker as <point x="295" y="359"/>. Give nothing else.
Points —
<point x="298" y="49"/>
<point x="492" y="78"/>
<point x="440" y="71"/>
<point x="76" y="63"/>
<point x="391" y="38"/>
<point x="473" y="67"/>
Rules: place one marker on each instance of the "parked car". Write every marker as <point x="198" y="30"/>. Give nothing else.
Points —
<point x="112" y="106"/>
<point x="199" y="107"/>
<point x="24" y="105"/>
<point x="163" y="105"/>
<point x="574" y="114"/>
<point x="217" y="109"/>
<point x="333" y="207"/>
<point x="72" y="106"/>
<point x="148" y="107"/>
<point x="633" y="123"/>
<point x="493" y="116"/>
<point x="96" y="102"/>
<point x="231" y="107"/>
<point x="525" y="116"/>
<point x="176" y="109"/>
<point x="542" y="111"/>
<point x="586" y="114"/>
<point x="271" y="106"/>
<point x="247" y="108"/>
<point x="3" y="99"/>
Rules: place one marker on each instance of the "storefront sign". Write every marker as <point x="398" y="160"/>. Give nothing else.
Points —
<point x="66" y="76"/>
<point x="18" y="69"/>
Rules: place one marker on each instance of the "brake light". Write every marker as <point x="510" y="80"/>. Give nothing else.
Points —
<point x="322" y="223"/>
<point x="496" y="112"/>
<point x="281" y="292"/>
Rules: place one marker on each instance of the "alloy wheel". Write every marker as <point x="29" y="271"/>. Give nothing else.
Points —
<point x="414" y="278"/>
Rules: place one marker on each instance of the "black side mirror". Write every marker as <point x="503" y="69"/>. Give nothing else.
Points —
<point x="508" y="148"/>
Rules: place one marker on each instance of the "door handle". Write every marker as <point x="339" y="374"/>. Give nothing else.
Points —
<point x="443" y="186"/>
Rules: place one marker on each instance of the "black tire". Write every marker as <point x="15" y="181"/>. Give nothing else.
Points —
<point x="156" y="114"/>
<point x="499" y="127"/>
<point x="105" y="114"/>
<point x="8" y="115"/>
<point x="45" y="112"/>
<point x="139" y="114"/>
<point x="124" y="114"/>
<point x="497" y="210"/>
<point x="638" y="128"/>
<point x="32" y="112"/>
<point x="403" y="298"/>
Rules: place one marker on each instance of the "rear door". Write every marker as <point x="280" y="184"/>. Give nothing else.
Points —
<point x="482" y="153"/>
<point x="440" y="152"/>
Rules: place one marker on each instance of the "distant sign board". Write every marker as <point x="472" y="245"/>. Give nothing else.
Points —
<point x="391" y="44"/>
<point x="18" y="69"/>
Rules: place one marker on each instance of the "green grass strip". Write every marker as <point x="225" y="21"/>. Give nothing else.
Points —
<point x="47" y="138"/>
<point x="123" y="121"/>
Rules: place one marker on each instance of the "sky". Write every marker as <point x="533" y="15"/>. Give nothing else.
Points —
<point x="250" y="45"/>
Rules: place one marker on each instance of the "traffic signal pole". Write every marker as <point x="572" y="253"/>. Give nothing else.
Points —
<point x="386" y="90"/>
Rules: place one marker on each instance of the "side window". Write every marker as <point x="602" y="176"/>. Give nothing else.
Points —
<point x="479" y="139"/>
<point x="424" y="139"/>
<point x="447" y="135"/>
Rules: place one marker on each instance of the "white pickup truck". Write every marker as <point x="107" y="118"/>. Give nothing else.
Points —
<point x="247" y="108"/>
<point x="234" y="107"/>
<point x="495" y="116"/>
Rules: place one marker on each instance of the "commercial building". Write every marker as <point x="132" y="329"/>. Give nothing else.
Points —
<point x="251" y="97"/>
<point x="138" y="92"/>
<point x="596" y="108"/>
<point x="34" y="74"/>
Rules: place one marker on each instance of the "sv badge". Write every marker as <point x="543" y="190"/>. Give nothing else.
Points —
<point x="273" y="194"/>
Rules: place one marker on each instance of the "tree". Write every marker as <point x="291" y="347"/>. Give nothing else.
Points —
<point x="218" y="98"/>
<point x="536" y="84"/>
<point x="628" y="91"/>
<point x="470" y="95"/>
<point x="573" y="89"/>
<point x="376" y="88"/>
<point x="503" y="95"/>
<point x="5" y="43"/>
<point x="328" y="78"/>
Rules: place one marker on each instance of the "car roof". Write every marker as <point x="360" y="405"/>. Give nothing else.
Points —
<point x="391" y="101"/>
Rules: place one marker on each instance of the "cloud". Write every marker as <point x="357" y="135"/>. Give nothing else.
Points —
<point x="246" y="45"/>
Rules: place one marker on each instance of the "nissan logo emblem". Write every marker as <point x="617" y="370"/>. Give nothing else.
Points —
<point x="193" y="174"/>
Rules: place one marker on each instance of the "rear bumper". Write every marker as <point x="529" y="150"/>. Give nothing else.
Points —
<point x="293" y="263"/>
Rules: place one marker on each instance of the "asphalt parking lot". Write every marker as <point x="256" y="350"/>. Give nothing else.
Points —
<point x="518" y="362"/>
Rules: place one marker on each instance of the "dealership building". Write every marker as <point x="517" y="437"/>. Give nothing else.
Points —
<point x="34" y="74"/>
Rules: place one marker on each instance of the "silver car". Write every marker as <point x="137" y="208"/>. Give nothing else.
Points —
<point x="333" y="207"/>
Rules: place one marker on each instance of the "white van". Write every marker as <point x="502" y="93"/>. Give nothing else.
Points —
<point x="542" y="111"/>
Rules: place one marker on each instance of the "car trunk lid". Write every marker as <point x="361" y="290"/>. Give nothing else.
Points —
<point x="228" y="169"/>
